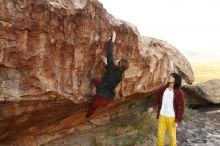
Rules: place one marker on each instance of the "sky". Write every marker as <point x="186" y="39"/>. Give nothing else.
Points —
<point x="192" y="26"/>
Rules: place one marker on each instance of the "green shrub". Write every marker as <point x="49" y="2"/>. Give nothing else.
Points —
<point x="189" y="112"/>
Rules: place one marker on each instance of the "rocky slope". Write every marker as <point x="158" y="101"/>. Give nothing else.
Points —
<point x="201" y="129"/>
<point x="48" y="49"/>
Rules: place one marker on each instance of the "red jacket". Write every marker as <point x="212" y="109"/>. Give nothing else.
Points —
<point x="178" y="102"/>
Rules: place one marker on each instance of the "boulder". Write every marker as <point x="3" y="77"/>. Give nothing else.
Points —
<point x="203" y="93"/>
<point x="49" y="48"/>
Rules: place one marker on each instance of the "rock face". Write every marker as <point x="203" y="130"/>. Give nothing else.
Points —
<point x="203" y="93"/>
<point x="48" y="48"/>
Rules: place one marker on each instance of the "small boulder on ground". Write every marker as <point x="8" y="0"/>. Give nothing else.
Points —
<point x="203" y="93"/>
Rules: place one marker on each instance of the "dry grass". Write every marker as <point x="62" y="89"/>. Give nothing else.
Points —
<point x="205" y="71"/>
<point x="128" y="131"/>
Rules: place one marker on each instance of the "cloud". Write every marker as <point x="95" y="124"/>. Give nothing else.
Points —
<point x="204" y="55"/>
<point x="194" y="53"/>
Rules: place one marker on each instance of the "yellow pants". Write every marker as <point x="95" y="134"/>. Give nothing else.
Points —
<point x="165" y="123"/>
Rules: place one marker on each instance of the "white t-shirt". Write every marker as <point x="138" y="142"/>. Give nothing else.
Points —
<point x="167" y="103"/>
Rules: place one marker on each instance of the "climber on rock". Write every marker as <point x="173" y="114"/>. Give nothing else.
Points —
<point x="105" y="89"/>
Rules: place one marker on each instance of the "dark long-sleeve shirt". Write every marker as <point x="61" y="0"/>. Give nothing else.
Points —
<point x="111" y="78"/>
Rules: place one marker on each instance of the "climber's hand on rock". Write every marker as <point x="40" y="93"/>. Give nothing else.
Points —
<point x="113" y="36"/>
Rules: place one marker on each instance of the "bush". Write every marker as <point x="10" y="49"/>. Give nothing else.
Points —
<point x="189" y="112"/>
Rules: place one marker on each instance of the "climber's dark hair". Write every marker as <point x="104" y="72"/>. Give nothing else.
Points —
<point x="123" y="64"/>
<point x="178" y="80"/>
